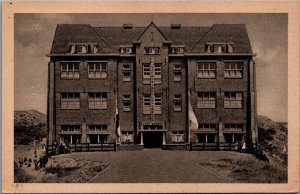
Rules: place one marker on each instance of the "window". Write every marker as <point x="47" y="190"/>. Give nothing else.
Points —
<point x="147" y="104"/>
<point x="157" y="72"/>
<point x="146" y="71"/>
<point x="178" y="137"/>
<point x="127" y="137"/>
<point x="233" y="127"/>
<point x="152" y="50"/>
<point x="177" y="102"/>
<point x="71" y="128"/>
<point x="233" y="100"/>
<point x="177" y="72"/>
<point x="206" y="100"/>
<point x="152" y="127"/>
<point x="126" y="50"/>
<point x="97" y="70"/>
<point x="97" y="128"/>
<point x="233" y="70"/>
<point x="126" y="103"/>
<point x="206" y="70"/>
<point x="98" y="100"/>
<point x="70" y="70"/>
<point x="157" y="104"/>
<point x="126" y="72"/>
<point x="207" y="127"/>
<point x="177" y="50"/>
<point x="70" y="100"/>
<point x="81" y="49"/>
<point x="219" y="48"/>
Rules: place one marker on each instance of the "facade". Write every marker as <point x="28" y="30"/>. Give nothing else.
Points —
<point x="151" y="75"/>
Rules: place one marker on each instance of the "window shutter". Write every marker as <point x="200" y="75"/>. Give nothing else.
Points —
<point x="72" y="49"/>
<point x="83" y="49"/>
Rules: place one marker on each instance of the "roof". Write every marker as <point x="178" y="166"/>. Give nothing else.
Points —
<point x="109" y="39"/>
<point x="235" y="33"/>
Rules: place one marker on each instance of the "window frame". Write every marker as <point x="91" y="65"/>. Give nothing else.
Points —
<point x="146" y="108"/>
<point x="235" y="128"/>
<point x="201" y="69"/>
<point x="74" y="70"/>
<point x="71" y="98"/>
<point x="177" y="99"/>
<point x="206" y="101"/>
<point x="127" y="71"/>
<point x="100" y="99"/>
<point x="207" y="127"/>
<point x="233" y="99"/>
<point x="75" y="129"/>
<point x="235" y="69"/>
<point x="98" y="128"/>
<point x="103" y="72"/>
<point x="126" y="100"/>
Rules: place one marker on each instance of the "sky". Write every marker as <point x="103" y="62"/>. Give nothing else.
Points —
<point x="267" y="32"/>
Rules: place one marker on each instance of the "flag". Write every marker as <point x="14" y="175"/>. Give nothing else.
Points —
<point x="118" y="128"/>
<point x="193" y="123"/>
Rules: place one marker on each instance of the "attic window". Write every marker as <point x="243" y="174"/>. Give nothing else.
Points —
<point x="126" y="50"/>
<point x="219" y="48"/>
<point x="177" y="50"/>
<point x="127" y="26"/>
<point x="175" y="26"/>
<point x="86" y="48"/>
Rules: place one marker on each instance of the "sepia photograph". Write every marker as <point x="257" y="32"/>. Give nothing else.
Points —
<point x="144" y="98"/>
<point x="151" y="98"/>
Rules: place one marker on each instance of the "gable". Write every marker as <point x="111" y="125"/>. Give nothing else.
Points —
<point x="152" y="34"/>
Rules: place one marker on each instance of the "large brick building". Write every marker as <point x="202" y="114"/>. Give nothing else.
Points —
<point x="151" y="74"/>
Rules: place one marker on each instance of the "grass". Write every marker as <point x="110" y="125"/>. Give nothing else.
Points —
<point x="248" y="170"/>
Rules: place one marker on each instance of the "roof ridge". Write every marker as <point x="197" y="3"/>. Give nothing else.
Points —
<point x="201" y="38"/>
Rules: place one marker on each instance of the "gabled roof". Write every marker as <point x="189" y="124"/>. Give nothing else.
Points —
<point x="76" y="33"/>
<point x="235" y="33"/>
<point x="116" y="36"/>
<point x="109" y="39"/>
<point x="151" y="24"/>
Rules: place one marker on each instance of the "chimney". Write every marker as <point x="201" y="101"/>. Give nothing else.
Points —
<point x="175" y="26"/>
<point x="127" y="26"/>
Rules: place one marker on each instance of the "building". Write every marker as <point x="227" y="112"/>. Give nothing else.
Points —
<point x="151" y="74"/>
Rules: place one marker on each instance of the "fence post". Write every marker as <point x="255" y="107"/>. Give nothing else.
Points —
<point x="230" y="146"/>
<point x="191" y="146"/>
<point x="203" y="146"/>
<point x="88" y="147"/>
<point x="75" y="147"/>
<point x="115" y="147"/>
<point x="101" y="146"/>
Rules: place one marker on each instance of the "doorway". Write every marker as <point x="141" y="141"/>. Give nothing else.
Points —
<point x="153" y="139"/>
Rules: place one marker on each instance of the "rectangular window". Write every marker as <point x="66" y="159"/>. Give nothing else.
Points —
<point x="233" y="100"/>
<point x="146" y="72"/>
<point x="126" y="103"/>
<point x="178" y="137"/>
<point x="97" y="128"/>
<point x="98" y="100"/>
<point x="127" y="137"/>
<point x="177" y="102"/>
<point x="233" y="70"/>
<point x="126" y="72"/>
<point x="207" y="127"/>
<point x="71" y="128"/>
<point x="206" y="70"/>
<point x="147" y="104"/>
<point x="70" y="70"/>
<point x="157" y="104"/>
<point x="177" y="72"/>
<point x="206" y="100"/>
<point x="157" y="73"/>
<point x="233" y="127"/>
<point x="152" y="50"/>
<point x="70" y="100"/>
<point x="97" y="70"/>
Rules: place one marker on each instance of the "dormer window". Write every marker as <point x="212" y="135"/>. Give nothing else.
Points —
<point x="177" y="50"/>
<point x="152" y="50"/>
<point x="219" y="48"/>
<point x="83" y="48"/>
<point x="126" y="50"/>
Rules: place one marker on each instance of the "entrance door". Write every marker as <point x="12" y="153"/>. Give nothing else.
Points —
<point x="153" y="139"/>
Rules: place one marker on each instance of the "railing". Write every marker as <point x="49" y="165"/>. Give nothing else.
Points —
<point x="82" y="147"/>
<point x="224" y="146"/>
